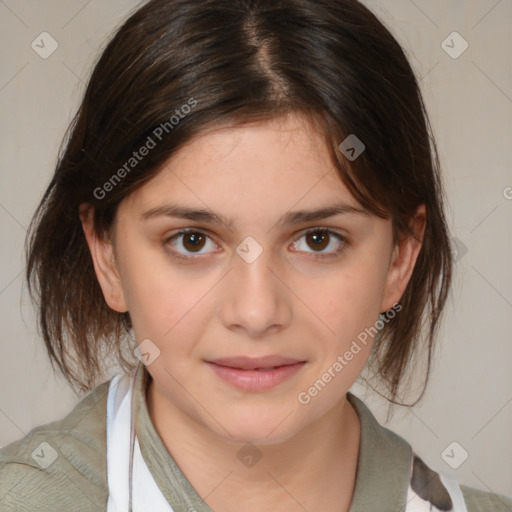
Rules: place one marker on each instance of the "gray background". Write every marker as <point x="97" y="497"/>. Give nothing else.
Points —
<point x="469" y="397"/>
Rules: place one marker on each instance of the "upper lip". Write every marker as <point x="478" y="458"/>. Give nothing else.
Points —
<point x="252" y="363"/>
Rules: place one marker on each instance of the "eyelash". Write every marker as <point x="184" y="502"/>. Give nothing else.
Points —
<point x="318" y="256"/>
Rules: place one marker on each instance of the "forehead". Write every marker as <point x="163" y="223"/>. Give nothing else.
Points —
<point x="255" y="168"/>
<point x="292" y="139"/>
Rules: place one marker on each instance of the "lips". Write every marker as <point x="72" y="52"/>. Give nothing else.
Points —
<point x="255" y="363"/>
<point x="256" y="374"/>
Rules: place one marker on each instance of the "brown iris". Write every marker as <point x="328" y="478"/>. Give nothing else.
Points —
<point x="196" y="239"/>
<point x="320" y="239"/>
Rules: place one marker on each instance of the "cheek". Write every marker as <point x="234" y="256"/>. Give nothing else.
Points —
<point x="347" y="306"/>
<point x="161" y="299"/>
<point x="349" y="299"/>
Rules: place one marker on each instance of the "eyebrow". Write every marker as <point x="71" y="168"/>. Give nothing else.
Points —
<point x="292" y="217"/>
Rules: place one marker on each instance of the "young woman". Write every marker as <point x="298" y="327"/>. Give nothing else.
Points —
<point x="247" y="212"/>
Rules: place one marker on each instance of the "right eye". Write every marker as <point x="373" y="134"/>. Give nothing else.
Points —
<point x="191" y="240"/>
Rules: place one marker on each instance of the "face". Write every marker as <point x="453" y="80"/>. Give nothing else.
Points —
<point x="259" y="281"/>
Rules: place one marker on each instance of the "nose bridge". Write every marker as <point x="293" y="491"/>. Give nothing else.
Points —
<point x="255" y="300"/>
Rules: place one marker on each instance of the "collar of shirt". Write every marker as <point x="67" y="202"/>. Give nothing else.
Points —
<point x="383" y="469"/>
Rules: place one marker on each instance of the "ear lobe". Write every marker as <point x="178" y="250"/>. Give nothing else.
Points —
<point x="105" y="266"/>
<point x="403" y="260"/>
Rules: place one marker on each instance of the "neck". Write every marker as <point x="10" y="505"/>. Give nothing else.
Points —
<point x="318" y="464"/>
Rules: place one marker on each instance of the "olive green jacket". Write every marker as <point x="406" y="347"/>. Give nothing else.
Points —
<point x="61" y="466"/>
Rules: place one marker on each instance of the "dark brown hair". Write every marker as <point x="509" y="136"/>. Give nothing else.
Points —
<point x="179" y="67"/>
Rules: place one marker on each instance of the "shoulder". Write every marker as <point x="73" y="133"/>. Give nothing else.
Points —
<point x="481" y="501"/>
<point x="59" y="465"/>
<point x="441" y="492"/>
<point x="403" y="470"/>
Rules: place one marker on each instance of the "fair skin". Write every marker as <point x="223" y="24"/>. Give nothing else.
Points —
<point x="297" y="299"/>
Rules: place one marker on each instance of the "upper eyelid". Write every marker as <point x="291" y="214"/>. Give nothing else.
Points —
<point x="213" y="236"/>
<point x="184" y="231"/>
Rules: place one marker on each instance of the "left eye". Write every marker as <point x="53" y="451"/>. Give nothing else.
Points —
<point x="320" y="238"/>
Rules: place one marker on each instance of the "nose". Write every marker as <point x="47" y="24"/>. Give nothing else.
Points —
<point x="256" y="299"/>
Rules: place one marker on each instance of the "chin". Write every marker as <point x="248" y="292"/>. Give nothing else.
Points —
<point x="256" y="428"/>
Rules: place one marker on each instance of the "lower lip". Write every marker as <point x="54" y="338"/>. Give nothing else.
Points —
<point x="256" y="380"/>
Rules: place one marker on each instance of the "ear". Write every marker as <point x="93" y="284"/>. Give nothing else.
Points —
<point x="405" y="254"/>
<point x="105" y="266"/>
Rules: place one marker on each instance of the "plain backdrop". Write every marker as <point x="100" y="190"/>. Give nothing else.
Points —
<point x="469" y="97"/>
